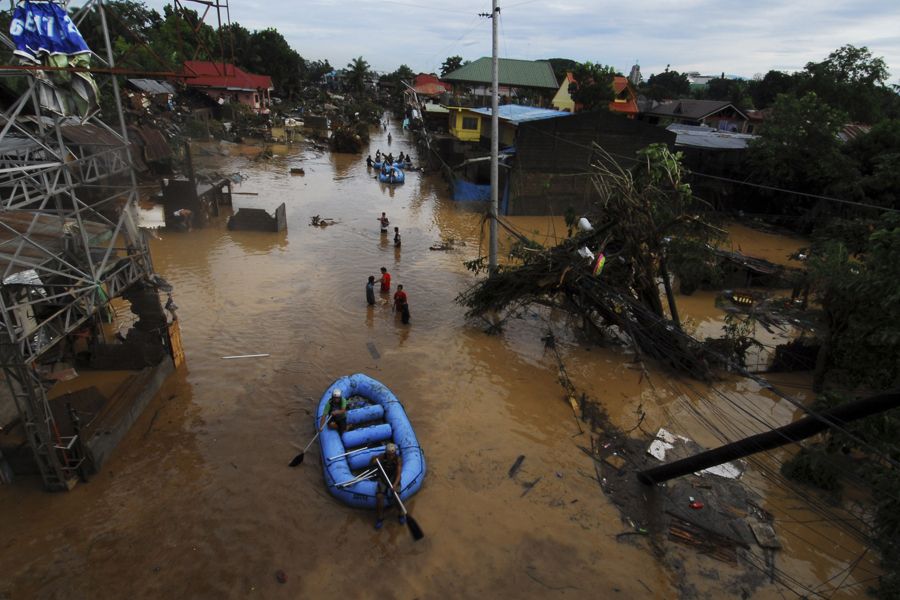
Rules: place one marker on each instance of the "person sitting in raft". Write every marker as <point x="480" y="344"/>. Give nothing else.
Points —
<point x="400" y="157"/>
<point x="336" y="408"/>
<point x="393" y="466"/>
<point x="369" y="161"/>
<point x="390" y="158"/>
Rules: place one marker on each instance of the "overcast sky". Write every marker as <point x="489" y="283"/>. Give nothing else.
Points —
<point x="709" y="36"/>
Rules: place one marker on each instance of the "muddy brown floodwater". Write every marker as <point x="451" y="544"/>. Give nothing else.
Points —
<point x="198" y="501"/>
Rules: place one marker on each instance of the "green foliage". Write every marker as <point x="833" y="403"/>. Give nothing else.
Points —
<point x="727" y="90"/>
<point x="875" y="158"/>
<point x="851" y="79"/>
<point x="451" y="64"/>
<point x="667" y="85"/>
<point x="561" y="66"/>
<point x="357" y="75"/>
<point x="765" y="90"/>
<point x="648" y="210"/>
<point x="799" y="148"/>
<point x="594" y="88"/>
<point x="861" y="302"/>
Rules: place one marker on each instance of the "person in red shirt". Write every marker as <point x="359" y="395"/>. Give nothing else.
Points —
<point x="401" y="304"/>
<point x="385" y="280"/>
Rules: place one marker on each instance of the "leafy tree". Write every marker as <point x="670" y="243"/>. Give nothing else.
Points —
<point x="849" y="64"/>
<point x="667" y="85"/>
<point x="403" y="73"/>
<point x="273" y="56"/>
<point x="451" y="64"/>
<point x="764" y="90"/>
<point x="875" y="157"/>
<point x="798" y="147"/>
<point x="594" y="88"/>
<point x="852" y="80"/>
<point x="561" y="66"/>
<point x="728" y="90"/>
<point x="357" y="75"/>
<point x="316" y="70"/>
<point x="859" y="356"/>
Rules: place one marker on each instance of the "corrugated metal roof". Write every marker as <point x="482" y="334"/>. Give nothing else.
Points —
<point x="516" y="114"/>
<point x="513" y="72"/>
<point x="152" y="86"/>
<point x="696" y="136"/>
<point x="436" y="109"/>
<point x="201" y="73"/>
<point x="154" y="143"/>
<point x="852" y="131"/>
<point x="90" y="135"/>
<point x="430" y="89"/>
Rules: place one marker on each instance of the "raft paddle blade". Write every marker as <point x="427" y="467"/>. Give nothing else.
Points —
<point x="414" y="528"/>
<point x="297" y="460"/>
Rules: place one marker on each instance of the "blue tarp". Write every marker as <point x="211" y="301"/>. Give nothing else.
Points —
<point x="466" y="191"/>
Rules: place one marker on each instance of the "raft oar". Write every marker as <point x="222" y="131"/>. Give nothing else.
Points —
<point x="361" y="477"/>
<point x="414" y="528"/>
<point x="332" y="458"/>
<point x="299" y="458"/>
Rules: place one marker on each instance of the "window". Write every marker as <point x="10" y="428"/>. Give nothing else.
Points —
<point x="470" y="123"/>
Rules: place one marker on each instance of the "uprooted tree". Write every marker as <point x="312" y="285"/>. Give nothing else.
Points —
<point x="646" y="223"/>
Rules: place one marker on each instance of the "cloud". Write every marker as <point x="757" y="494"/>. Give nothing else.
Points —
<point x="710" y="36"/>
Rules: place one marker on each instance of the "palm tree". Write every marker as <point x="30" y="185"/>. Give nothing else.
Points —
<point x="357" y="74"/>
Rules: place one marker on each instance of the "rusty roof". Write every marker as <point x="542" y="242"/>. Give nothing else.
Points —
<point x="153" y="142"/>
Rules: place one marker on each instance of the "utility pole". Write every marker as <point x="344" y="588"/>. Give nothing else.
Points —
<point x="495" y="137"/>
<point x="796" y="431"/>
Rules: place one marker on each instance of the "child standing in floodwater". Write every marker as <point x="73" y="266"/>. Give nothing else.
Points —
<point x="396" y="237"/>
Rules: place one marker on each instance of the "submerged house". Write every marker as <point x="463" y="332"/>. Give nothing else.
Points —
<point x="224" y="82"/>
<point x="519" y="80"/>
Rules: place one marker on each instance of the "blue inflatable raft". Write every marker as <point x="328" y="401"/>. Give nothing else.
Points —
<point x="376" y="417"/>
<point x="399" y="176"/>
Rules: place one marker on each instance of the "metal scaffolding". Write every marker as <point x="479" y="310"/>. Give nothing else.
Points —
<point x="69" y="239"/>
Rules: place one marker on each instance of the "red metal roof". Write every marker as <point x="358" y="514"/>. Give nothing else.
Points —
<point x="426" y="80"/>
<point x="430" y="89"/>
<point x="201" y="73"/>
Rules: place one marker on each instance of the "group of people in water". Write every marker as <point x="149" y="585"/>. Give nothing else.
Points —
<point x="401" y="301"/>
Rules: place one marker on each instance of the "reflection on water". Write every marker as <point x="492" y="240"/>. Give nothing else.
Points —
<point x="198" y="501"/>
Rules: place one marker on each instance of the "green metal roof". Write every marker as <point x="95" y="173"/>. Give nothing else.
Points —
<point x="516" y="73"/>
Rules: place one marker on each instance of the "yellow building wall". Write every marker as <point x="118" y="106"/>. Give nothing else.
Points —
<point x="456" y="126"/>
<point x="563" y="100"/>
